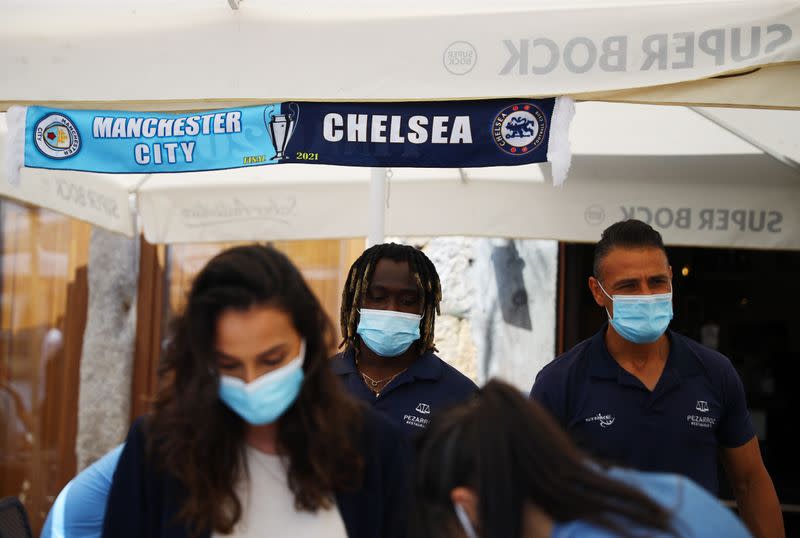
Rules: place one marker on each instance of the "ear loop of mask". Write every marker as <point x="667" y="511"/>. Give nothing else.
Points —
<point x="607" y="295"/>
<point x="466" y="524"/>
<point x="461" y="513"/>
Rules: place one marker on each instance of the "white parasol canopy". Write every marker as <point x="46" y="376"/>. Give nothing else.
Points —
<point x="201" y="54"/>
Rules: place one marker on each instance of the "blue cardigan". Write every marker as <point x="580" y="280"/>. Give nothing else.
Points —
<point x="144" y="502"/>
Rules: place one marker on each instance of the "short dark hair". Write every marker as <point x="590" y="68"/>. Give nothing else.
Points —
<point x="629" y="233"/>
<point x="360" y="275"/>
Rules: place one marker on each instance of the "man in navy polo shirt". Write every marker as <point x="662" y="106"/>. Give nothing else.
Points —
<point x="389" y="306"/>
<point x="638" y="395"/>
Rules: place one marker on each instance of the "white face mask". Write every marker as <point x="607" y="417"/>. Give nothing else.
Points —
<point x="466" y="524"/>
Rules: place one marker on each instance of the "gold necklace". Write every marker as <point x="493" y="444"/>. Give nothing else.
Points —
<point x="372" y="384"/>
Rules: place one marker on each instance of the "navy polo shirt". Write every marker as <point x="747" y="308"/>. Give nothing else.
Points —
<point x="409" y="400"/>
<point x="697" y="407"/>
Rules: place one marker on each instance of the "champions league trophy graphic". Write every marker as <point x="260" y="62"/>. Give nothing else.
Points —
<point x="281" y="127"/>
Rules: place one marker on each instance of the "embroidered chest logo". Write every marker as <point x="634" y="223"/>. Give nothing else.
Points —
<point x="701" y="421"/>
<point x="604" y="420"/>
<point x="417" y="421"/>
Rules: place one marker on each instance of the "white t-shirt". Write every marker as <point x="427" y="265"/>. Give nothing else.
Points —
<point x="268" y="505"/>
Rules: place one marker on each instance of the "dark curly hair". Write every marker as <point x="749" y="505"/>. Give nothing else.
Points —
<point x="195" y="437"/>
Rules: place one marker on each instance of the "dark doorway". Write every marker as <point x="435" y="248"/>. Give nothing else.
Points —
<point x="743" y="302"/>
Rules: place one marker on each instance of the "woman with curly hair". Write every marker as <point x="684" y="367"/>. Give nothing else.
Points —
<point x="251" y="433"/>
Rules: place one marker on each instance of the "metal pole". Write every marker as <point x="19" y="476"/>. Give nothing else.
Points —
<point x="377" y="207"/>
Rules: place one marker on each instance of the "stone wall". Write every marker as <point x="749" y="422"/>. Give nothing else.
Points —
<point x="498" y="305"/>
<point x="108" y="345"/>
<point x="514" y="315"/>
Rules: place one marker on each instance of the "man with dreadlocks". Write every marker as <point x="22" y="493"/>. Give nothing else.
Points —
<point x="389" y="308"/>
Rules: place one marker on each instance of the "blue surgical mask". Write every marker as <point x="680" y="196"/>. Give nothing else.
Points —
<point x="264" y="400"/>
<point x="386" y="332"/>
<point x="640" y="319"/>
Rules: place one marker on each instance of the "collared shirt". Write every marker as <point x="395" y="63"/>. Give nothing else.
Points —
<point x="697" y="406"/>
<point x="427" y="386"/>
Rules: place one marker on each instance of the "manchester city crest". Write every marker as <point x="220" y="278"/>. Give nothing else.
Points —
<point x="56" y="136"/>
<point x="519" y="128"/>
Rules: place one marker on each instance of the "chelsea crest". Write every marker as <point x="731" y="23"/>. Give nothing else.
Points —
<point x="519" y="128"/>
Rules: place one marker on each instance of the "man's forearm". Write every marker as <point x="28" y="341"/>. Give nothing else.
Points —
<point x="759" y="508"/>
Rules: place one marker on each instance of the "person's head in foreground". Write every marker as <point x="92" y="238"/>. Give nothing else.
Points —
<point x="500" y="466"/>
<point x="248" y="365"/>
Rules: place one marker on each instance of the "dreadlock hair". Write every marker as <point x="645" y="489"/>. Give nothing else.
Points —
<point x="357" y="284"/>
